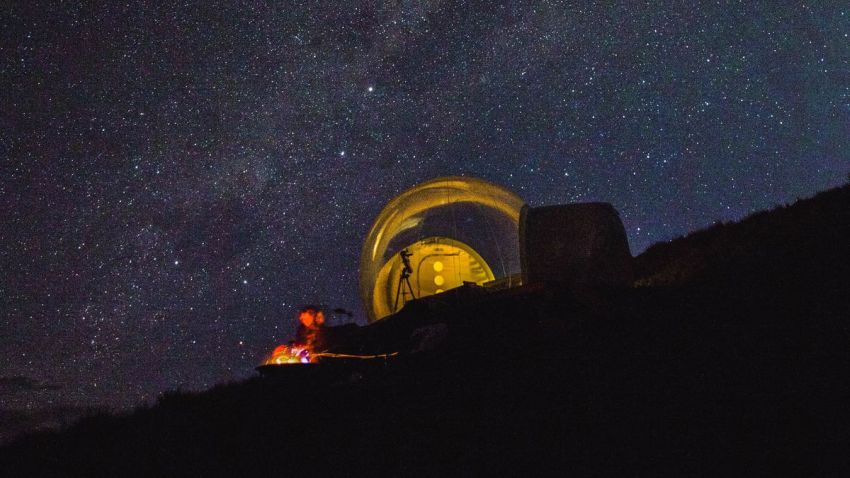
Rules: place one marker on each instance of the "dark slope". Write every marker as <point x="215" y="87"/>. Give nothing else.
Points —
<point x="810" y="237"/>
<point x="732" y="356"/>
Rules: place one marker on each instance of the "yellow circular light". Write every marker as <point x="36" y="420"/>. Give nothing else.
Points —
<point x="439" y="280"/>
<point x="438" y="266"/>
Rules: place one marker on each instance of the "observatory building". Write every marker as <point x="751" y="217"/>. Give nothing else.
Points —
<point x="437" y="236"/>
<point x="455" y="231"/>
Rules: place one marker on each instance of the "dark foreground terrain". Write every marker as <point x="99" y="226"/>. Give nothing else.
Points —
<point x="732" y="354"/>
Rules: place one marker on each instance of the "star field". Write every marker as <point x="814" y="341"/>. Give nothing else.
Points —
<point x="176" y="180"/>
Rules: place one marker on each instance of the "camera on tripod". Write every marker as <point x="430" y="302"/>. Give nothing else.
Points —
<point x="405" y="260"/>
<point x="404" y="286"/>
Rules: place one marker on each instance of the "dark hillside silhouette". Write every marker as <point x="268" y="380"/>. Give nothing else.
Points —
<point x="789" y="240"/>
<point x="730" y="355"/>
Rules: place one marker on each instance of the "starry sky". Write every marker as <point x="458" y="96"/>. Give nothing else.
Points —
<point x="178" y="178"/>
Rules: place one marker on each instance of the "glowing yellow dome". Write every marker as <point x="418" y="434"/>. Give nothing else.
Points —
<point x="454" y="229"/>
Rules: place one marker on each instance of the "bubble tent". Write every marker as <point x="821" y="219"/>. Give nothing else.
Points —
<point x="455" y="229"/>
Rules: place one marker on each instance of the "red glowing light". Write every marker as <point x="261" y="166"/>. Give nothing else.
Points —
<point x="312" y="318"/>
<point x="300" y="351"/>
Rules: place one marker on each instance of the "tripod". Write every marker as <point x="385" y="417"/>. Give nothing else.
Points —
<point x="404" y="279"/>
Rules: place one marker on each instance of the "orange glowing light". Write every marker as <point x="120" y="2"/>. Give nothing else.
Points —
<point x="289" y="354"/>
<point x="312" y="318"/>
<point x="301" y="350"/>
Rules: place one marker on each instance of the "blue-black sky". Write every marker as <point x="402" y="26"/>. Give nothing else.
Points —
<point x="177" y="179"/>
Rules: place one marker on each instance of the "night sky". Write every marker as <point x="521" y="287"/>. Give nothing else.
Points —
<point x="176" y="181"/>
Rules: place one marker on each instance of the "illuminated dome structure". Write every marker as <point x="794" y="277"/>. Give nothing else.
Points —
<point x="436" y="236"/>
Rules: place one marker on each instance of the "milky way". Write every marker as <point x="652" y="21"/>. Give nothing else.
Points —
<point x="178" y="180"/>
